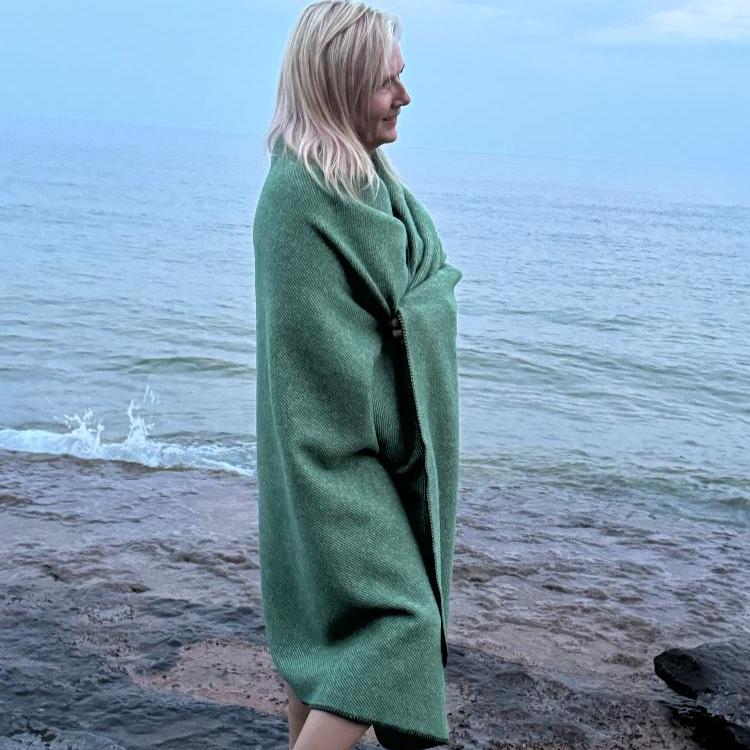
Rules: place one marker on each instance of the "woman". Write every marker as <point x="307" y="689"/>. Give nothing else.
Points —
<point x="357" y="399"/>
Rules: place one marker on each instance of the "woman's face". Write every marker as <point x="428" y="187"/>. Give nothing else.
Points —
<point x="385" y="104"/>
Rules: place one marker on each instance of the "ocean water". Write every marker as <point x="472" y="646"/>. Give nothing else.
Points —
<point x="603" y="314"/>
<point x="604" y="508"/>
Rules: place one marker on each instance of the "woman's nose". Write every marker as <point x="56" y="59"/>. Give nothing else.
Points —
<point x="404" y="95"/>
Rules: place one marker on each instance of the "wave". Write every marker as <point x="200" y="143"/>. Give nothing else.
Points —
<point x="84" y="440"/>
<point x="150" y="365"/>
<point x="676" y="486"/>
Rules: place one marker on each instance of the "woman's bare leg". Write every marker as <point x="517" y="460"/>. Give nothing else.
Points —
<point x="297" y="712"/>
<point x="327" y="731"/>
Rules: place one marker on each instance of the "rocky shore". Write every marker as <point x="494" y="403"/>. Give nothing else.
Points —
<point x="125" y="624"/>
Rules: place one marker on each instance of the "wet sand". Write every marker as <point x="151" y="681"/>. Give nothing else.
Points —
<point x="130" y="616"/>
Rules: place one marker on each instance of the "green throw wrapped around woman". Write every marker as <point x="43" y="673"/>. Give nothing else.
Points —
<point x="357" y="399"/>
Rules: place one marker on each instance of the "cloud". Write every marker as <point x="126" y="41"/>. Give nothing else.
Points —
<point x="698" y="21"/>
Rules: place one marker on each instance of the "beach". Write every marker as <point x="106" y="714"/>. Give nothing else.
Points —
<point x="131" y="615"/>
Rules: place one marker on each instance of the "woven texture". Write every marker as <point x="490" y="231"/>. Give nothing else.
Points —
<point x="357" y="450"/>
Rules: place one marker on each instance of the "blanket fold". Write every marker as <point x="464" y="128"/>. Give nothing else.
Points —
<point x="357" y="450"/>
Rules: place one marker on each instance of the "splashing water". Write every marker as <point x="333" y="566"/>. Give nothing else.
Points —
<point x="85" y="436"/>
<point x="84" y="440"/>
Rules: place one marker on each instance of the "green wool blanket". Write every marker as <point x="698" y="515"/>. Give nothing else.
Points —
<point x="357" y="449"/>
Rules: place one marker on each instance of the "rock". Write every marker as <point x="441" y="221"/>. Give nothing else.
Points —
<point x="717" y="677"/>
<point x="54" y="739"/>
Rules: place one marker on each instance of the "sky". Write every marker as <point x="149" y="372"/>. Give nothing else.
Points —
<point x="648" y="81"/>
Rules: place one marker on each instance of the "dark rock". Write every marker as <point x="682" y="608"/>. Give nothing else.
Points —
<point x="717" y="677"/>
<point x="61" y="691"/>
<point x="53" y="739"/>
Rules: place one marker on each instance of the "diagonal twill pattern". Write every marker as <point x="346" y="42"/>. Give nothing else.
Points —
<point x="357" y="432"/>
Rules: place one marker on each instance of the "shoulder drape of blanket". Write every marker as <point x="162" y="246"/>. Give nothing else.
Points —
<point x="355" y="549"/>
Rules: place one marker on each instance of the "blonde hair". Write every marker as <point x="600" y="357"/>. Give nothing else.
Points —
<point x="337" y="55"/>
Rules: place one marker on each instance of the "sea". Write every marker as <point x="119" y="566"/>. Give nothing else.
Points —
<point x="604" y="365"/>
